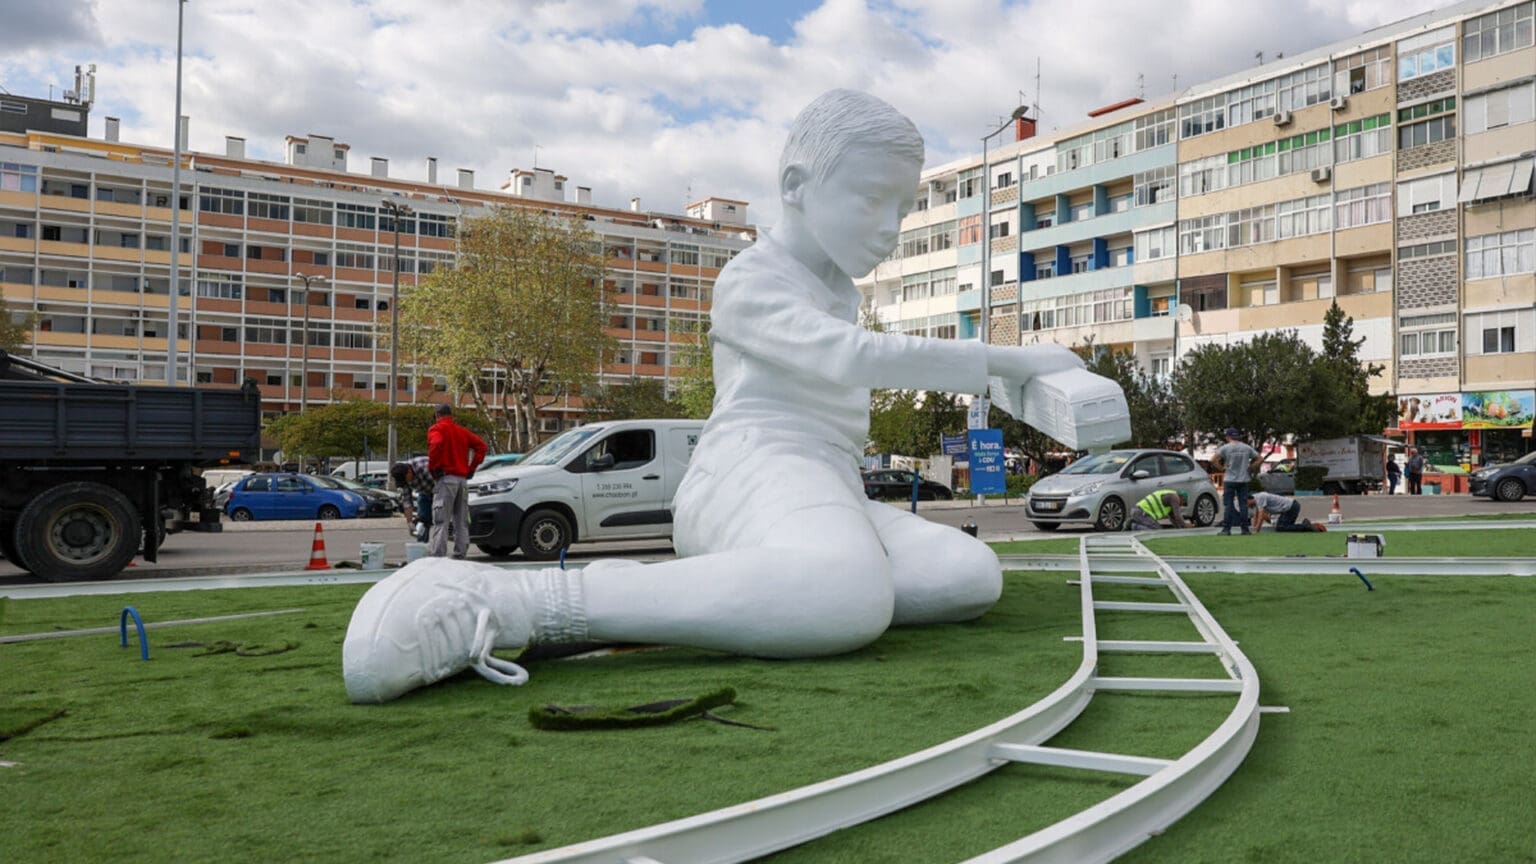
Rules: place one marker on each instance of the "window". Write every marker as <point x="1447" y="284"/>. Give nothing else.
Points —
<point x="1202" y="116"/>
<point x="1202" y="175"/>
<point x="1045" y="270"/>
<point x="354" y="255"/>
<point x="221" y="286"/>
<point x="1426" y="250"/>
<point x="1303" y="216"/>
<point x="1202" y="234"/>
<point x="630" y="449"/>
<point x="52" y="232"/>
<point x="1365" y="205"/>
<point x="1427" y="335"/>
<point x="1004" y="180"/>
<point x="1510" y="106"/>
<point x="1155" y="186"/>
<point x="1082" y="211"/>
<point x="1082" y="263"/>
<point x="1426" y="54"/>
<point x="1497" y="32"/>
<point x="1161" y="306"/>
<point x="17" y="178"/>
<point x="970" y="183"/>
<point x="1300" y="89"/>
<point x="1499" y="340"/>
<point x="1504" y="254"/>
<point x="997" y="277"/>
<point x="339" y="153"/>
<point x="1502" y="332"/>
<point x="1154" y="130"/>
<point x="231" y="250"/>
<point x="268" y="206"/>
<point x="277" y="295"/>
<point x="1426" y="195"/>
<point x="312" y="212"/>
<point x="1364" y="71"/>
<point x="1251" y="225"/>
<point x="228" y="201"/>
<point x="270" y="331"/>
<point x="356" y="216"/>
<point x="999" y="230"/>
<point x="1362" y="139"/>
<point x="1156" y="243"/>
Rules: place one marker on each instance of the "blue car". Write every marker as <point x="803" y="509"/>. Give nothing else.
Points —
<point x="290" y="496"/>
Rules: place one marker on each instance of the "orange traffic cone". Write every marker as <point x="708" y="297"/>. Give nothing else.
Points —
<point x="1335" y="516"/>
<point x="317" y="551"/>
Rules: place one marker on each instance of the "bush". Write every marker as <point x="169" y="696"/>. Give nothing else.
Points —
<point x="1311" y="477"/>
<point x="1018" y="485"/>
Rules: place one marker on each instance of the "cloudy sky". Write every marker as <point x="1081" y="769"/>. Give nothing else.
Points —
<point x="664" y="99"/>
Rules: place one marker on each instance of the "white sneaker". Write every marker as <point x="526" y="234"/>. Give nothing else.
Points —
<point x="433" y="618"/>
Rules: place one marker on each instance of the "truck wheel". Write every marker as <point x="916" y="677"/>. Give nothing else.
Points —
<point x="496" y="551"/>
<point x="78" y="531"/>
<point x="1111" y="515"/>
<point x="1205" y="511"/>
<point x="1510" y="489"/>
<point x="544" y="534"/>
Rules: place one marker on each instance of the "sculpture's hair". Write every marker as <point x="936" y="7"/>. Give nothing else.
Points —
<point x="839" y="120"/>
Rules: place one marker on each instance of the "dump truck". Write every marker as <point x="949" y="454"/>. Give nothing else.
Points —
<point x="93" y="473"/>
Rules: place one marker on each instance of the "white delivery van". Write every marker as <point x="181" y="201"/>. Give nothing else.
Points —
<point x="604" y="481"/>
<point x="356" y="469"/>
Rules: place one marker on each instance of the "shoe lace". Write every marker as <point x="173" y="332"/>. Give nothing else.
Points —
<point x="491" y="668"/>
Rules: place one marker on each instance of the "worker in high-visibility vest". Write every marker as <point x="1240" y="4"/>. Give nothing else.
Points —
<point x="1161" y="504"/>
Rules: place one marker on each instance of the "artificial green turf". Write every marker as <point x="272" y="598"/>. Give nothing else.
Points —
<point x="1053" y="546"/>
<point x="1497" y="543"/>
<point x="1408" y="738"/>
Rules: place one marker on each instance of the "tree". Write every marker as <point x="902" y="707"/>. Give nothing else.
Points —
<point x="635" y="398"/>
<point x="356" y="429"/>
<point x="695" y="370"/>
<point x="1345" y="383"/>
<point x="1265" y="388"/>
<point x="14" y="332"/>
<point x="518" y="321"/>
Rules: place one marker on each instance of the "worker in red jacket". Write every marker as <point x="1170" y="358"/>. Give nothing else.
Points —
<point x="453" y="454"/>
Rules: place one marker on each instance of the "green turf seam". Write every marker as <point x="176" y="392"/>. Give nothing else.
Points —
<point x="17" y="722"/>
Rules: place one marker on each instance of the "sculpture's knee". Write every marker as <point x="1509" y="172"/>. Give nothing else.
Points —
<point x="956" y="578"/>
<point x="836" y="602"/>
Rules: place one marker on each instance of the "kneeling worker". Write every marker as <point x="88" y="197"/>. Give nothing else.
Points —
<point x="1161" y="504"/>
<point x="1285" y="510"/>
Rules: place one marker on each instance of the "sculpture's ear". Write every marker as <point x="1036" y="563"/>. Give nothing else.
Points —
<point x="792" y="183"/>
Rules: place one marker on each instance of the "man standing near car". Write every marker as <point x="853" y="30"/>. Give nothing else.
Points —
<point x="1414" y="471"/>
<point x="453" y="454"/>
<point x="1237" y="462"/>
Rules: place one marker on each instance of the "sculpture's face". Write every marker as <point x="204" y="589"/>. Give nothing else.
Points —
<point x="855" y="212"/>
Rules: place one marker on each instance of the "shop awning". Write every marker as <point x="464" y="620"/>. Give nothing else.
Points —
<point x="1496" y="181"/>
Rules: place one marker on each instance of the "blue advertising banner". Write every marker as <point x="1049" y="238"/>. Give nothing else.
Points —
<point x="954" y="445"/>
<point x="987" y="474"/>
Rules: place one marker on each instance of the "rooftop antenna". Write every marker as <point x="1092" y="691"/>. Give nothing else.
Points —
<point x="535" y="157"/>
<point x="1175" y="83"/>
<point x="1259" y="55"/>
<point x="1141" y="86"/>
<point x="1037" y="87"/>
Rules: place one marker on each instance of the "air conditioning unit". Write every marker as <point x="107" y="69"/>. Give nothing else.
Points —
<point x="1282" y="118"/>
<point x="1322" y="175"/>
<point x="1339" y="103"/>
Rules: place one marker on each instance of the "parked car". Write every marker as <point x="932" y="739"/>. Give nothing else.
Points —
<point x="378" y="502"/>
<point x="888" y="484"/>
<point x="1506" y="482"/>
<point x="1101" y="489"/>
<point x="290" y="496"/>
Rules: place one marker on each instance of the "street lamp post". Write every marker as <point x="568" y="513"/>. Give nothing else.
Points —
<point x="308" y="279"/>
<point x="985" y="319"/>
<point x="397" y="211"/>
<point x="170" y="336"/>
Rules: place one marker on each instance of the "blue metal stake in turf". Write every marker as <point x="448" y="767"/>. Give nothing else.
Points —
<point x="1356" y="571"/>
<point x="914" y="491"/>
<point x="122" y="626"/>
<point x="562" y="556"/>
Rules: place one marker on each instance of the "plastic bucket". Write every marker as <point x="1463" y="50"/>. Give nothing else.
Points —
<point x="372" y="555"/>
<point x="414" y="551"/>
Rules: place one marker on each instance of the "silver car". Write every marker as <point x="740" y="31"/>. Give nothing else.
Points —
<point x="1101" y="489"/>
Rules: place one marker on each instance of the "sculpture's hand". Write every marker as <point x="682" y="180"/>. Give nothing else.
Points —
<point x="1020" y="364"/>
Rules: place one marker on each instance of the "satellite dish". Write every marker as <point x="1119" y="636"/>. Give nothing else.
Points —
<point x="1185" y="312"/>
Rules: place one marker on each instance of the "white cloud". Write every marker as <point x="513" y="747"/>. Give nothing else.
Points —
<point x="479" y="85"/>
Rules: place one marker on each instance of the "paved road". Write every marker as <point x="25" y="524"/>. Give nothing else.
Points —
<point x="286" y="546"/>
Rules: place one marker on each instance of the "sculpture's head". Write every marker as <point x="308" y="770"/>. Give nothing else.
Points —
<point x="850" y="170"/>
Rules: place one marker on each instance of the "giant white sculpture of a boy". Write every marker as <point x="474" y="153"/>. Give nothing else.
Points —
<point x="780" y="552"/>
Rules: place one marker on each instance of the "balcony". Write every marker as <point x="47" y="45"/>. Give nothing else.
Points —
<point x="1076" y="283"/>
<point x="1106" y="225"/>
<point x="1063" y="182"/>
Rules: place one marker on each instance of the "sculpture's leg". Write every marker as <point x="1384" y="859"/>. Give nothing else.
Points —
<point x="941" y="575"/>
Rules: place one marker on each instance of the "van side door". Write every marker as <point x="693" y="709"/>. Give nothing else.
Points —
<point x="623" y="485"/>
<point x="678" y="452"/>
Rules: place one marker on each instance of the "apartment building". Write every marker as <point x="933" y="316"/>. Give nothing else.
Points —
<point x="1391" y="172"/>
<point x="85" y="243"/>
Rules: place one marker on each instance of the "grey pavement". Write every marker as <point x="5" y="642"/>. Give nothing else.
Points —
<point x="267" y="546"/>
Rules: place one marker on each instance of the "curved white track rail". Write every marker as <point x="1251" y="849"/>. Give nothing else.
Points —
<point x="1170" y="790"/>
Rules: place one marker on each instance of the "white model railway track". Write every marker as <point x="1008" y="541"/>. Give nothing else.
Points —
<point x="1170" y="788"/>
